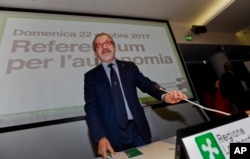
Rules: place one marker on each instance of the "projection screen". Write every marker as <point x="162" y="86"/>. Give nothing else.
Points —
<point x="43" y="58"/>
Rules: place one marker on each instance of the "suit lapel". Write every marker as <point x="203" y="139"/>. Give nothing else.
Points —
<point x="102" y="77"/>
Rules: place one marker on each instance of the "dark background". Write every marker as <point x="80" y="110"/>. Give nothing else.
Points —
<point x="202" y="73"/>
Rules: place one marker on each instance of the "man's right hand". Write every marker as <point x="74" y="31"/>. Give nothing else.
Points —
<point x="104" y="146"/>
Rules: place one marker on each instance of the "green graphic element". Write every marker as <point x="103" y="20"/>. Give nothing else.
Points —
<point x="208" y="146"/>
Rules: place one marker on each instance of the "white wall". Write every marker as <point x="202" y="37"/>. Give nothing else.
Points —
<point x="62" y="141"/>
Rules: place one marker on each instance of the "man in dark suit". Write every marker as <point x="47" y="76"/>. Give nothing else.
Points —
<point x="235" y="88"/>
<point x="100" y="104"/>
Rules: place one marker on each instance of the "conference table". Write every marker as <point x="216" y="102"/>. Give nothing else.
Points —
<point x="163" y="149"/>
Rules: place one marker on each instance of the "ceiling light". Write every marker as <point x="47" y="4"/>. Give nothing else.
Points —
<point x="215" y="9"/>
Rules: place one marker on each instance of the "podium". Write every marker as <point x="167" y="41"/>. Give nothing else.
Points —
<point x="212" y="138"/>
<point x="199" y="141"/>
<point x="163" y="149"/>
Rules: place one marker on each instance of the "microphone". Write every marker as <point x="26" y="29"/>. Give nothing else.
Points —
<point x="164" y="90"/>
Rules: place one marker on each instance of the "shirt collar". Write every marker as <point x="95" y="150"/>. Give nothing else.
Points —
<point x="105" y="64"/>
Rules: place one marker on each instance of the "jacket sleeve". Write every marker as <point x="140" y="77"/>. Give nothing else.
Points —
<point x="93" y="117"/>
<point x="146" y="85"/>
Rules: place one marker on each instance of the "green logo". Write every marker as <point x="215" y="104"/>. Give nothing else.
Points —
<point x="208" y="147"/>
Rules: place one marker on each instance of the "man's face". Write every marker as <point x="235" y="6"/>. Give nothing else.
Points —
<point x="105" y="49"/>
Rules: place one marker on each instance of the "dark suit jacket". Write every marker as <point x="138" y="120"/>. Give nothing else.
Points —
<point x="99" y="105"/>
<point x="232" y="85"/>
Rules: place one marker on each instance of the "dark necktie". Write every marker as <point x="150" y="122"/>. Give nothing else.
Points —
<point x="121" y="114"/>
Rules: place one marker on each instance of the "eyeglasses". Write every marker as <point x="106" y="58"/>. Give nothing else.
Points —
<point x="106" y="43"/>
